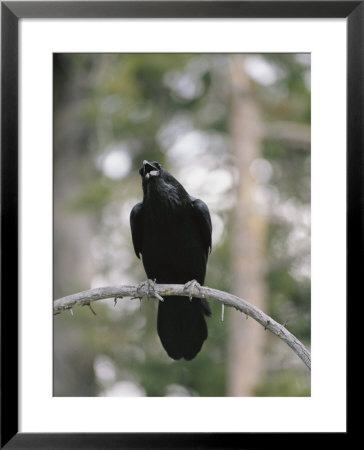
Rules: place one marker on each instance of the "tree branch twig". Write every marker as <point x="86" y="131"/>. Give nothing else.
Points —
<point x="92" y="295"/>
<point x="290" y="132"/>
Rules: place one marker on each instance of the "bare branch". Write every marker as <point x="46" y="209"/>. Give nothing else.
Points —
<point x="291" y="132"/>
<point x="114" y="292"/>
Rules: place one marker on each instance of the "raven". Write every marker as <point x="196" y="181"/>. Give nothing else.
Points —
<point x="172" y="232"/>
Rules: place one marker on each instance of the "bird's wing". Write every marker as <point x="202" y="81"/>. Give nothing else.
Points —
<point x="203" y="219"/>
<point x="136" y="227"/>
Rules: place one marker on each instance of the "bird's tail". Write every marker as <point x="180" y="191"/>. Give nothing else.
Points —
<point x="181" y="326"/>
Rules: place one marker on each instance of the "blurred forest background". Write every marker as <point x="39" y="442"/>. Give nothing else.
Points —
<point x="235" y="131"/>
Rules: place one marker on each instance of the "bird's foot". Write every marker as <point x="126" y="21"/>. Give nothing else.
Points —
<point x="147" y="289"/>
<point x="190" y="286"/>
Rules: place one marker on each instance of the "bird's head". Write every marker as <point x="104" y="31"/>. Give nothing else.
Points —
<point x="150" y="169"/>
<point x="158" y="182"/>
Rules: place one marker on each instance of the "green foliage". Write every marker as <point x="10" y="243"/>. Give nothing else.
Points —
<point x="94" y="196"/>
<point x="286" y="385"/>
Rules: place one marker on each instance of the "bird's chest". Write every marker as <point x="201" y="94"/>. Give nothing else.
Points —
<point x="171" y="245"/>
<point x="167" y="229"/>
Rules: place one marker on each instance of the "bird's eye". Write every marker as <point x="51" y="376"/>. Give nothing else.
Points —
<point x="158" y="165"/>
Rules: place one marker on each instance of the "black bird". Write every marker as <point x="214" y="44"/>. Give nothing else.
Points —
<point x="172" y="232"/>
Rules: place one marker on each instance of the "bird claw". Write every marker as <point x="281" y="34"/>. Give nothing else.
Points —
<point x="190" y="286"/>
<point x="148" y="287"/>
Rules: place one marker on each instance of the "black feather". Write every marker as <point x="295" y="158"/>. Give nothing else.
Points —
<point x="136" y="227"/>
<point x="172" y="232"/>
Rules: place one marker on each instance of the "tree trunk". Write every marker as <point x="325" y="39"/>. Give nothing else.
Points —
<point x="246" y="338"/>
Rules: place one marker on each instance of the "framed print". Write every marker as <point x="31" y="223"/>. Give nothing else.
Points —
<point x="256" y="108"/>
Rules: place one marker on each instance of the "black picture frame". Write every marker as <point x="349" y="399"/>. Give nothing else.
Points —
<point x="11" y="13"/>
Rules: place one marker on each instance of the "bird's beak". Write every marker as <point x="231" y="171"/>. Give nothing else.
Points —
<point x="149" y="170"/>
